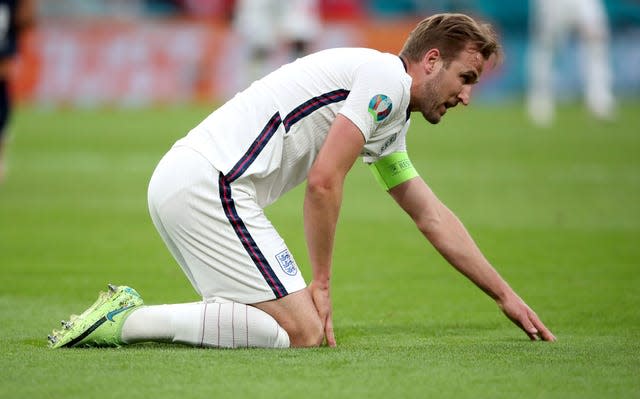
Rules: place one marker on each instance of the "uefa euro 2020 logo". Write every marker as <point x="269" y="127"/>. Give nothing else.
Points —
<point x="380" y="107"/>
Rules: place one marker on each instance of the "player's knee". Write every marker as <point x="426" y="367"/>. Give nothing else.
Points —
<point x="315" y="336"/>
<point x="308" y="336"/>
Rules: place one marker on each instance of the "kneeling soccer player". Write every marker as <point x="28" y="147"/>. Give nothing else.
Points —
<point x="309" y="120"/>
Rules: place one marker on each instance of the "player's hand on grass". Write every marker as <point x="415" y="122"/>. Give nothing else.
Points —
<point x="525" y="318"/>
<point x="322" y="300"/>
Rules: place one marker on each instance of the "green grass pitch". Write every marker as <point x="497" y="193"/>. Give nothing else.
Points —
<point x="557" y="211"/>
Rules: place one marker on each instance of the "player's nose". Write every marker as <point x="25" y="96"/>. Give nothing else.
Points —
<point x="465" y="94"/>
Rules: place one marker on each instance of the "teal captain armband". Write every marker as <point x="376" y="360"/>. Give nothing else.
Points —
<point x="393" y="170"/>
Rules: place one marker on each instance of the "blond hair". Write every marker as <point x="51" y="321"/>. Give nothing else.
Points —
<point x="450" y="33"/>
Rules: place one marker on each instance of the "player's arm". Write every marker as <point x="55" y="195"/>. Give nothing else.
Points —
<point x="447" y="234"/>
<point x="322" y="202"/>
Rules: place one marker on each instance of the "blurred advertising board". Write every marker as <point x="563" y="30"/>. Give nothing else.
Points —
<point x="136" y="64"/>
<point x="140" y="63"/>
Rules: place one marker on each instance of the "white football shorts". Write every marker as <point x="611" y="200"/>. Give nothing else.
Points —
<point x="217" y="232"/>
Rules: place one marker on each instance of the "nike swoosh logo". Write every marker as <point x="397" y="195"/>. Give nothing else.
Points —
<point x="115" y="312"/>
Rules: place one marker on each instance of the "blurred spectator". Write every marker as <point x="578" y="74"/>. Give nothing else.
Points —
<point x="552" y="21"/>
<point x="15" y="17"/>
<point x="265" y="25"/>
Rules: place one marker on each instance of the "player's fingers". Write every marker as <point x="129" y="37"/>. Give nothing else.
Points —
<point x="548" y="336"/>
<point x="543" y="331"/>
<point x="328" y="332"/>
<point x="528" y="327"/>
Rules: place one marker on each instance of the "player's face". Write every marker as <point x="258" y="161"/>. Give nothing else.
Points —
<point x="446" y="87"/>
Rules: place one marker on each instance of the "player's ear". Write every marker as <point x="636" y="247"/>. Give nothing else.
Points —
<point x="430" y="60"/>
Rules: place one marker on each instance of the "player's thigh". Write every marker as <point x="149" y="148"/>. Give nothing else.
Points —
<point x="218" y="234"/>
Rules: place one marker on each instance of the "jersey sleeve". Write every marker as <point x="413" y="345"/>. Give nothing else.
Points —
<point x="376" y="97"/>
<point x="395" y="143"/>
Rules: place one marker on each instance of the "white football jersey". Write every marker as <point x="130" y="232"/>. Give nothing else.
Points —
<point x="272" y="131"/>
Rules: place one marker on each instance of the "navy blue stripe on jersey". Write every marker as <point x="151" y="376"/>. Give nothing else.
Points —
<point x="308" y="107"/>
<point x="247" y="241"/>
<point x="245" y="162"/>
<point x="256" y="147"/>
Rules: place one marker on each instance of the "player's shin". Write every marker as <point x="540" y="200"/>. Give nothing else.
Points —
<point x="211" y="324"/>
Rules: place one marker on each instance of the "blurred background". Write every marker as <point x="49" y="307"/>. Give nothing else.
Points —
<point x="103" y="88"/>
<point x="133" y="53"/>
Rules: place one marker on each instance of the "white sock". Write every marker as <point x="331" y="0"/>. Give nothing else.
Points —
<point x="205" y="324"/>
